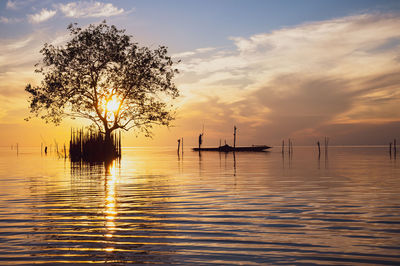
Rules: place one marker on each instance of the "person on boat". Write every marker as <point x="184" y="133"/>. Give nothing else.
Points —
<point x="200" y="140"/>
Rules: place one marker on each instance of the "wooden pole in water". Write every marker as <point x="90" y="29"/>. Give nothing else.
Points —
<point x="283" y="146"/>
<point x="179" y="144"/>
<point x="326" y="144"/>
<point x="291" y="147"/>
<point x="390" y="148"/>
<point x="394" y="146"/>
<point x="182" y="145"/>
<point x="234" y="137"/>
<point x="319" y="148"/>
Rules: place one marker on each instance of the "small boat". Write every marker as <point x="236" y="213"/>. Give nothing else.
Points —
<point x="227" y="148"/>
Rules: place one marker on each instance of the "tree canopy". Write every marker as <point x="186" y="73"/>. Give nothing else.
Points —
<point x="102" y="75"/>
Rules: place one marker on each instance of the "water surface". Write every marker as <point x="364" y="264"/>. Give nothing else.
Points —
<point x="248" y="208"/>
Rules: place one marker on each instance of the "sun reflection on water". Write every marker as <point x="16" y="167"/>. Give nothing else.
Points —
<point x="110" y="211"/>
<point x="109" y="249"/>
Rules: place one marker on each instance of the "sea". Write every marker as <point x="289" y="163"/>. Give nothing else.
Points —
<point x="155" y="206"/>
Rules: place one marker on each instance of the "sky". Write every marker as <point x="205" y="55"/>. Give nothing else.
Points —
<point x="275" y="69"/>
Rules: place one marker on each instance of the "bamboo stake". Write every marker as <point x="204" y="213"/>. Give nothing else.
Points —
<point x="234" y="137"/>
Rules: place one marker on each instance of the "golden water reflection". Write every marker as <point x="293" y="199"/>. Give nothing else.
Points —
<point x="155" y="207"/>
<point x="110" y="209"/>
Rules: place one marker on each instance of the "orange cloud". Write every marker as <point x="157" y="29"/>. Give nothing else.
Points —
<point x="302" y="78"/>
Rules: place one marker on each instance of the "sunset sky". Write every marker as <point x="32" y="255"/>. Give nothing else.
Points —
<point x="275" y="69"/>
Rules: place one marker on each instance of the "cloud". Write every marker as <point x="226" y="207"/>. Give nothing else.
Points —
<point x="12" y="47"/>
<point x="298" y="80"/>
<point x="195" y="52"/>
<point x="6" y="20"/>
<point x="11" y="4"/>
<point x="80" y="9"/>
<point x="43" y="15"/>
<point x="17" y="59"/>
<point x="89" y="9"/>
<point x="17" y="44"/>
<point x="18" y="4"/>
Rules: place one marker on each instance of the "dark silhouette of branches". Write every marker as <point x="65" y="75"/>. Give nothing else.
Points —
<point x="103" y="76"/>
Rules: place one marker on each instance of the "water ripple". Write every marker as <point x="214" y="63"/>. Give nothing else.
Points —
<point x="153" y="208"/>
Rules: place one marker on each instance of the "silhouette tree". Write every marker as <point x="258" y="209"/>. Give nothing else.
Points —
<point x="102" y="75"/>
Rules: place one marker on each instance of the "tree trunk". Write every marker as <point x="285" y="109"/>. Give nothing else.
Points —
<point x="108" y="144"/>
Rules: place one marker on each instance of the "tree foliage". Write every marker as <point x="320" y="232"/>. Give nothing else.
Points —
<point x="102" y="75"/>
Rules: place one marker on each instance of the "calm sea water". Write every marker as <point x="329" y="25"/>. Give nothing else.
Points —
<point x="155" y="207"/>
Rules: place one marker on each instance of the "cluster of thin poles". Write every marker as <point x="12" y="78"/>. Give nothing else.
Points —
<point x="326" y="144"/>
<point x="92" y="147"/>
<point x="393" y="146"/>
<point x="289" y="146"/>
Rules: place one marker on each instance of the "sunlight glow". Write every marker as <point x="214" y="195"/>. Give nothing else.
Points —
<point x="113" y="105"/>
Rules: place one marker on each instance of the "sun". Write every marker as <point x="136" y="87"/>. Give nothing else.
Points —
<point x="112" y="105"/>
